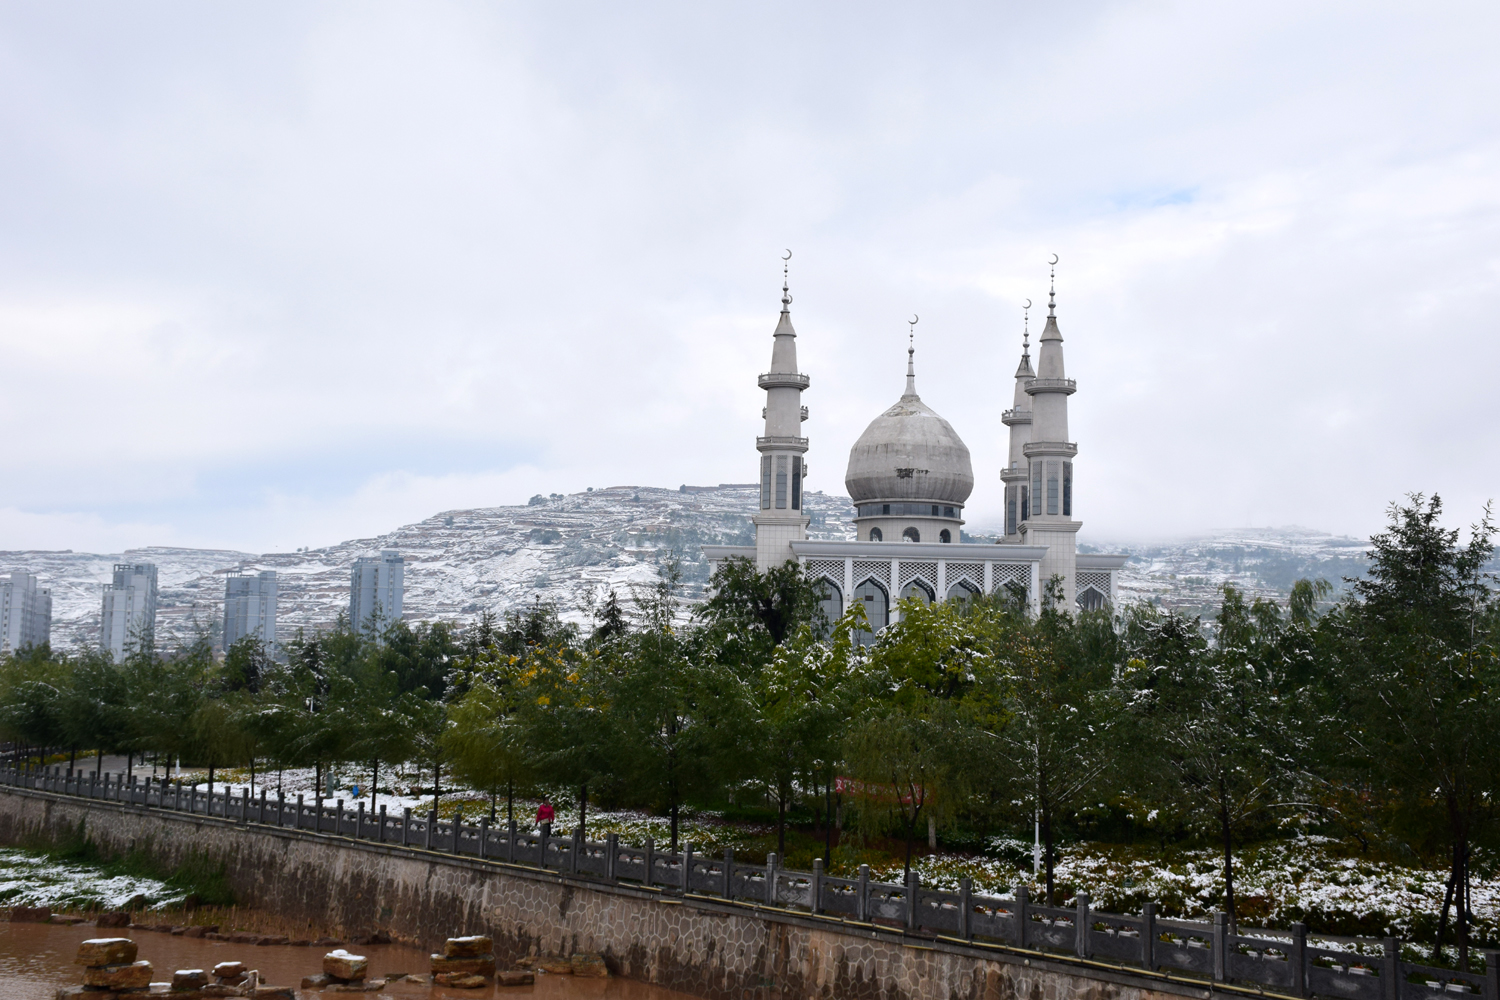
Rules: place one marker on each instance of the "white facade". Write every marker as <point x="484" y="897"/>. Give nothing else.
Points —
<point x="250" y="607"/>
<point x="129" y="615"/>
<point x="376" y="587"/>
<point x="25" y="613"/>
<point x="909" y="475"/>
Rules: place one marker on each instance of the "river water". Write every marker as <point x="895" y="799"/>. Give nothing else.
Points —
<point x="35" y="959"/>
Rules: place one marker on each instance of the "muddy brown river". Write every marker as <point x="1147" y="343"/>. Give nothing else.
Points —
<point x="35" y="959"/>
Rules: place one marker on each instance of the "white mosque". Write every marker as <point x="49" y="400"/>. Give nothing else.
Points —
<point x="909" y="475"/>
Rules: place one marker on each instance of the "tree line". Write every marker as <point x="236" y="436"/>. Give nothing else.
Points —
<point x="1373" y="717"/>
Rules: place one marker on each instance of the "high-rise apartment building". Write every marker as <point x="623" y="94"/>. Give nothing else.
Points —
<point x="25" y="613"/>
<point x="375" y="590"/>
<point x="250" y="607"/>
<point x="129" y="617"/>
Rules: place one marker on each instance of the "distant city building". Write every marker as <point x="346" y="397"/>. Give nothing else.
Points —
<point x="250" y="607"/>
<point x="375" y="590"/>
<point x="25" y="613"/>
<point x="129" y="608"/>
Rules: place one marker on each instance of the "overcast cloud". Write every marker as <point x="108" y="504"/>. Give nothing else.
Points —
<point x="275" y="275"/>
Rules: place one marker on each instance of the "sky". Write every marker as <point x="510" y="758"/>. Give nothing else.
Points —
<point x="282" y="274"/>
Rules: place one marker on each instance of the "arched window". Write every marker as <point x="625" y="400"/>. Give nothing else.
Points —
<point x="876" y="536"/>
<point x="877" y="608"/>
<point x="962" y="593"/>
<point x="945" y="535"/>
<point x="918" y="590"/>
<point x="1090" y="599"/>
<point x="911" y="535"/>
<point x="832" y="601"/>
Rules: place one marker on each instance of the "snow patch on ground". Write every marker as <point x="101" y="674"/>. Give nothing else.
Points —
<point x="29" y="880"/>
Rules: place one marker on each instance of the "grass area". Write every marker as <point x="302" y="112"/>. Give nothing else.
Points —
<point x="198" y="881"/>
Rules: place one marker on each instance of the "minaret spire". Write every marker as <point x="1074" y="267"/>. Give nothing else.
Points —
<point x="1018" y="419"/>
<point x="1052" y="292"/>
<point x="782" y="447"/>
<point x="911" y="353"/>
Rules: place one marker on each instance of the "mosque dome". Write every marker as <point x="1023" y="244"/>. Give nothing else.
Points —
<point x="909" y="453"/>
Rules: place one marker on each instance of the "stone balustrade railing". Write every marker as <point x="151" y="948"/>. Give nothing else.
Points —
<point x="1289" y="962"/>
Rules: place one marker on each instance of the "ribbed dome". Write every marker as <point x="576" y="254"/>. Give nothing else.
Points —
<point x="909" y="453"/>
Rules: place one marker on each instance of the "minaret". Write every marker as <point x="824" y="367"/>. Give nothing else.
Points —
<point x="1018" y="419"/>
<point x="780" y="520"/>
<point x="1050" y="459"/>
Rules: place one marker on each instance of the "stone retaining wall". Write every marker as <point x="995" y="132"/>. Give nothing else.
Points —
<point x="706" y="947"/>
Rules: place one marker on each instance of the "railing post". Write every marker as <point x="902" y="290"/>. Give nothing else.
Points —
<point x="1299" y="960"/>
<point x="297" y="822"/>
<point x="1023" y="914"/>
<point x="815" y="887"/>
<point x="427" y="833"/>
<point x="1491" y="972"/>
<point x="1390" y="970"/>
<point x="687" y="869"/>
<point x="510" y="842"/>
<point x="280" y="808"/>
<point x="965" y="907"/>
<point x="338" y="817"/>
<point x="1081" y="927"/>
<point x="612" y="857"/>
<point x="546" y="829"/>
<point x="728" y="892"/>
<point x="382" y="823"/>
<point x="359" y="821"/>
<point x="650" y="859"/>
<point x="862" y="901"/>
<point x="484" y="836"/>
<point x="318" y="812"/>
<point x="1148" y="937"/>
<point x="771" y="879"/>
<point x="913" y="886"/>
<point x="1221" y="941"/>
<point x="261" y="816"/>
<point x="458" y="824"/>
<point x="405" y="827"/>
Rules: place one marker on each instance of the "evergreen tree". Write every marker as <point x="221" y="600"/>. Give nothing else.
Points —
<point x="1418" y="680"/>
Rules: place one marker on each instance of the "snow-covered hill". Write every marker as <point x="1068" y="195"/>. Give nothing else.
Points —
<point x="566" y="548"/>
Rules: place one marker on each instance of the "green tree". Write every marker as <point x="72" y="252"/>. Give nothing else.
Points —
<point x="755" y="612"/>
<point x="1226" y="739"/>
<point x="1418" y="681"/>
<point x="1047" y="711"/>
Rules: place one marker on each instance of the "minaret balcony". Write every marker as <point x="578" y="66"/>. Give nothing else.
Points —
<point x="783" y="380"/>
<point x="1011" y="417"/>
<point x="1066" y="386"/>
<point x="778" y="443"/>
<point x="1067" y="449"/>
<point x="1014" y="475"/>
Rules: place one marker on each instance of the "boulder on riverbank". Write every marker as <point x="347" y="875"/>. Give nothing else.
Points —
<point x="30" y="914"/>
<point x="99" y="952"/>
<point x="472" y="946"/>
<point x="480" y="965"/>
<point x="189" y="979"/>
<point x="345" y="967"/>
<point x="588" y="965"/>
<point x="134" y="976"/>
